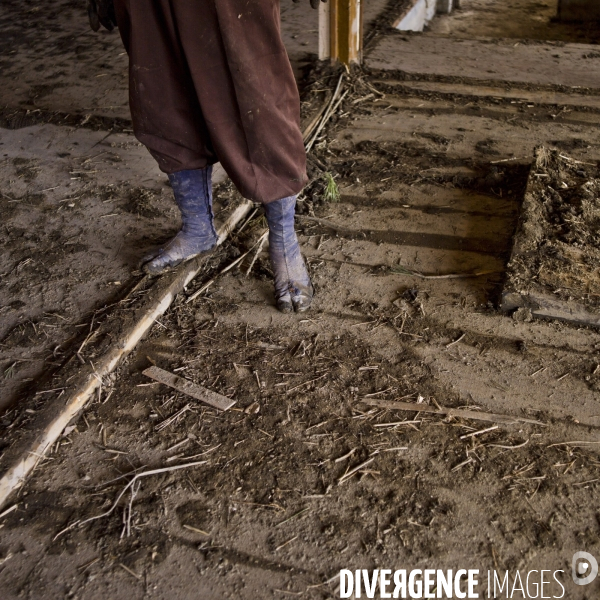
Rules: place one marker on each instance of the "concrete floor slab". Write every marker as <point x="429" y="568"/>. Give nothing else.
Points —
<point x="497" y="60"/>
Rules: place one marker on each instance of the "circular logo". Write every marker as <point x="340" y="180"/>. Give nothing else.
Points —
<point x="585" y="568"/>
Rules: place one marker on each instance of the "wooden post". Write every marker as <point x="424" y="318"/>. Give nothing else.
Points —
<point x="341" y="31"/>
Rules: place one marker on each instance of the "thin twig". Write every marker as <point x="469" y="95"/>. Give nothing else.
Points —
<point x="136" y="478"/>
<point x="345" y="456"/>
<point x="508" y="447"/>
<point x="300" y="512"/>
<point x="480" y="432"/>
<point x="571" y="443"/>
<point x="495" y="162"/>
<point x="169" y="421"/>
<point x="130" y="571"/>
<point x="306" y="383"/>
<point x="405" y="271"/>
<point x="285" y="543"/>
<point x="454" y="412"/>
<point x="326" y="116"/>
<point x="462" y="464"/>
<point x="352" y="472"/>
<point x="8" y="510"/>
<point x="263" y="239"/>
<point x="195" y="529"/>
<point x="311" y="126"/>
<point x="397" y="423"/>
<point x="236" y="262"/>
<point x="456" y="341"/>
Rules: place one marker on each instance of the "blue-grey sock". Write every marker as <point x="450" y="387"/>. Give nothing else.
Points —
<point x="293" y="288"/>
<point x="193" y="194"/>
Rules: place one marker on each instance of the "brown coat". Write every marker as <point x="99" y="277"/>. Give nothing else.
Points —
<point x="210" y="80"/>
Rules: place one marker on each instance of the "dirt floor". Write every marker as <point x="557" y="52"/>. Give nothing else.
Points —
<point x="304" y="476"/>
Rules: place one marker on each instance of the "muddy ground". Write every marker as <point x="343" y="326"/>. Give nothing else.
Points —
<point x="408" y="266"/>
<point x="81" y="199"/>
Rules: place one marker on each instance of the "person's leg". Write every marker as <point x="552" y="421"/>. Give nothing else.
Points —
<point x="167" y="117"/>
<point x="293" y="288"/>
<point x="193" y="195"/>
<point x="168" y="120"/>
<point x="252" y="111"/>
<point x="210" y="79"/>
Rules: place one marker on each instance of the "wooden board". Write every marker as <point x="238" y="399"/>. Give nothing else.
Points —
<point x="546" y="306"/>
<point x="450" y="412"/>
<point x="341" y="31"/>
<point x="190" y="388"/>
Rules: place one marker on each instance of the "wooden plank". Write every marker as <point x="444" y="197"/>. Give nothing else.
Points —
<point x="548" y="307"/>
<point x="324" y="30"/>
<point x="190" y="388"/>
<point x="344" y="32"/>
<point x="355" y="31"/>
<point x="450" y="412"/>
<point x="334" y="17"/>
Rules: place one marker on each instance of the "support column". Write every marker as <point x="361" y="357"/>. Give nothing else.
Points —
<point x="341" y="31"/>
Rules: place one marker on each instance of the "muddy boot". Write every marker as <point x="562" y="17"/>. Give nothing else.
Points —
<point x="293" y="289"/>
<point x="193" y="195"/>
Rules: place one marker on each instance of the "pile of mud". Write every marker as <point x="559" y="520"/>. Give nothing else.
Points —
<point x="557" y="246"/>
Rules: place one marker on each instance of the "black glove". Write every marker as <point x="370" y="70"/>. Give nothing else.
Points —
<point x="102" y="12"/>
<point x="313" y="3"/>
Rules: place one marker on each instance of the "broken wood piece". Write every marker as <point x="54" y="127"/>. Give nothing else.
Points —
<point x="328" y="112"/>
<point x="450" y="412"/>
<point x="547" y="306"/>
<point x="315" y="121"/>
<point x="190" y="388"/>
<point x="262" y="241"/>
